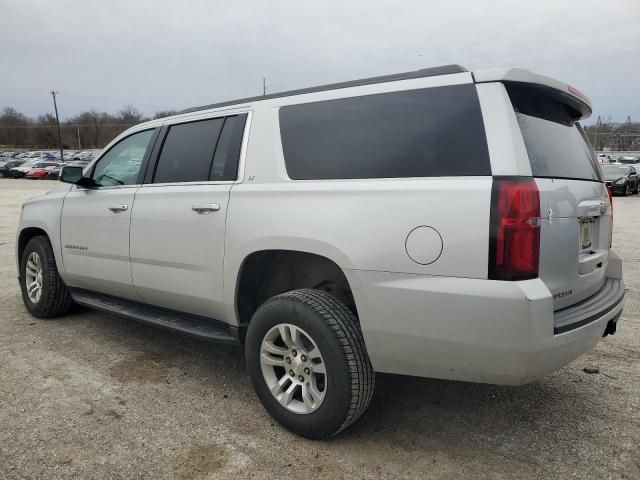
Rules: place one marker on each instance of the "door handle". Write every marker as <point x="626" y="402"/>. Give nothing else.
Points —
<point x="205" y="208"/>
<point x="118" y="208"/>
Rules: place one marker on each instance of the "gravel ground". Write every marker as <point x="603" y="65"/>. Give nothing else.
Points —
<point x="94" y="396"/>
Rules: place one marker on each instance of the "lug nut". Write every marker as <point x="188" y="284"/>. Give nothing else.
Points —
<point x="292" y="373"/>
<point x="301" y="378"/>
<point x="294" y="353"/>
<point x="303" y="358"/>
<point x="307" y="371"/>
<point x="288" y="360"/>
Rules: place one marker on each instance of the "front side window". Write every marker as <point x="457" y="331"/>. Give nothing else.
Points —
<point x="121" y="164"/>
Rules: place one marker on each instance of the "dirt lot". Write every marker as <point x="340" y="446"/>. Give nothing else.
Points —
<point x="94" y="396"/>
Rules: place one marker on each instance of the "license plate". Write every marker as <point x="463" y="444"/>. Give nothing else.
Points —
<point x="586" y="233"/>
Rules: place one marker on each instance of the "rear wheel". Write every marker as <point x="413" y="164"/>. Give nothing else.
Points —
<point x="43" y="291"/>
<point x="637" y="189"/>
<point x="308" y="363"/>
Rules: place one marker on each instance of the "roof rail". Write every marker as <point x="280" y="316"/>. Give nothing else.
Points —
<point x="424" y="72"/>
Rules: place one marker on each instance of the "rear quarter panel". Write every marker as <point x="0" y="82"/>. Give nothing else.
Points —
<point x="358" y="224"/>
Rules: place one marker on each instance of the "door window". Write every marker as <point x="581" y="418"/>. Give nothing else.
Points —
<point x="121" y="164"/>
<point x="205" y="150"/>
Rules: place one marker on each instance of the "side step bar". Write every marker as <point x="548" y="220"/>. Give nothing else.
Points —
<point x="193" y="325"/>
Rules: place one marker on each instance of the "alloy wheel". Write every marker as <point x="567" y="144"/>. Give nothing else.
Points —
<point x="293" y="368"/>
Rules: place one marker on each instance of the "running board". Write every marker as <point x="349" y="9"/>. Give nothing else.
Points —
<point x="188" y="324"/>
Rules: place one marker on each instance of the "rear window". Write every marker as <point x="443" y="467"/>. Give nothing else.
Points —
<point x="432" y="132"/>
<point x="556" y="145"/>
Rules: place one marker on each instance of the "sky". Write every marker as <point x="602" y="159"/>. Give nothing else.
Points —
<point x="159" y="55"/>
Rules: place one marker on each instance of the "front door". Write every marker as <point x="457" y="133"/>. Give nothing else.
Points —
<point x="95" y="221"/>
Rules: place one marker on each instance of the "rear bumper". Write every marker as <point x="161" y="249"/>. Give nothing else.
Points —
<point x="477" y="330"/>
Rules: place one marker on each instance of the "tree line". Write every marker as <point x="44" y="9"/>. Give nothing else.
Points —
<point x="94" y="129"/>
<point x="90" y="129"/>
<point x="615" y="136"/>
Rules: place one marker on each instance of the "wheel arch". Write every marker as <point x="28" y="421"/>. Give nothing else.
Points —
<point x="265" y="273"/>
<point x="24" y="235"/>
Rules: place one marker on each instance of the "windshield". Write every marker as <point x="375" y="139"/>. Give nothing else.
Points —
<point x="613" y="173"/>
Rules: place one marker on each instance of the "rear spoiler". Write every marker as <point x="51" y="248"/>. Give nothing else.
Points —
<point x="566" y="93"/>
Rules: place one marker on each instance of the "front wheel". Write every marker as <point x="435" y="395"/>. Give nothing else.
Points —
<point x="308" y="363"/>
<point x="43" y="291"/>
<point x="627" y="189"/>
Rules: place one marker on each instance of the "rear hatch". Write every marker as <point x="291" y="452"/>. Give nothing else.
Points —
<point x="575" y="212"/>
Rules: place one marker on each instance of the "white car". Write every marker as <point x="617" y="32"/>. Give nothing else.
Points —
<point x="439" y="223"/>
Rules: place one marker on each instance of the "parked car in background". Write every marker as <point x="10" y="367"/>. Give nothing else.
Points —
<point x="37" y="174"/>
<point x="5" y="170"/>
<point x="603" y="158"/>
<point x="628" y="159"/>
<point x="622" y="179"/>
<point x="54" y="172"/>
<point x="22" y="170"/>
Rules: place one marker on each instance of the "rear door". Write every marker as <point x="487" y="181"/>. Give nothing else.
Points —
<point x="178" y="223"/>
<point x="576" y="220"/>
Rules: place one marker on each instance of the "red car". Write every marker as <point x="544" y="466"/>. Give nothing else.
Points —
<point x="37" y="174"/>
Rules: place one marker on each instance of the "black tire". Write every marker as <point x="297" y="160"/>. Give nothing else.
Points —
<point x="334" y="328"/>
<point x="637" y="189"/>
<point x="627" y="190"/>
<point x="55" y="299"/>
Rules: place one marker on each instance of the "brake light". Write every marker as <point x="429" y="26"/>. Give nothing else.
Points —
<point x="514" y="244"/>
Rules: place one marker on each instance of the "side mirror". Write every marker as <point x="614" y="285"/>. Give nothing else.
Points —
<point x="74" y="175"/>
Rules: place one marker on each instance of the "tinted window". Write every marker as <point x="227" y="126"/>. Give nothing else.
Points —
<point x="187" y="152"/>
<point x="121" y="164"/>
<point x="556" y="145"/>
<point x="225" y="161"/>
<point x="418" y="133"/>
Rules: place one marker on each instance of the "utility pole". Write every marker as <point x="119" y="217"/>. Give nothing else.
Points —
<point x="264" y="86"/>
<point x="78" y="130"/>
<point x="55" y="107"/>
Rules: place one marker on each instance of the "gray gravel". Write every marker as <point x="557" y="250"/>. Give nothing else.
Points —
<point x="94" y="396"/>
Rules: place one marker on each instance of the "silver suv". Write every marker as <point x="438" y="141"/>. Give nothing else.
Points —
<point x="439" y="223"/>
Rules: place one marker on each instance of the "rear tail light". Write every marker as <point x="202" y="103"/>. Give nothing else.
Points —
<point x="514" y="245"/>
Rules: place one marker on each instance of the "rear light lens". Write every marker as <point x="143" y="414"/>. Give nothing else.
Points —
<point x="514" y="246"/>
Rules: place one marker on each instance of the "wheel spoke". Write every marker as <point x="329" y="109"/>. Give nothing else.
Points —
<point x="280" y="385"/>
<point x="31" y="268"/>
<point x="287" y="396"/>
<point x="285" y="334"/>
<point x="307" y="397"/>
<point x="313" y="389"/>
<point x="270" y="347"/>
<point x="31" y="289"/>
<point x="314" y="353"/>
<point x="270" y="359"/>
<point x="295" y="336"/>
<point x="318" y="368"/>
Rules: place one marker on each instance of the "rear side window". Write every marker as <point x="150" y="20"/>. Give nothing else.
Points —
<point x="187" y="151"/>
<point x="201" y="151"/>
<point x="432" y="132"/>
<point x="556" y="145"/>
